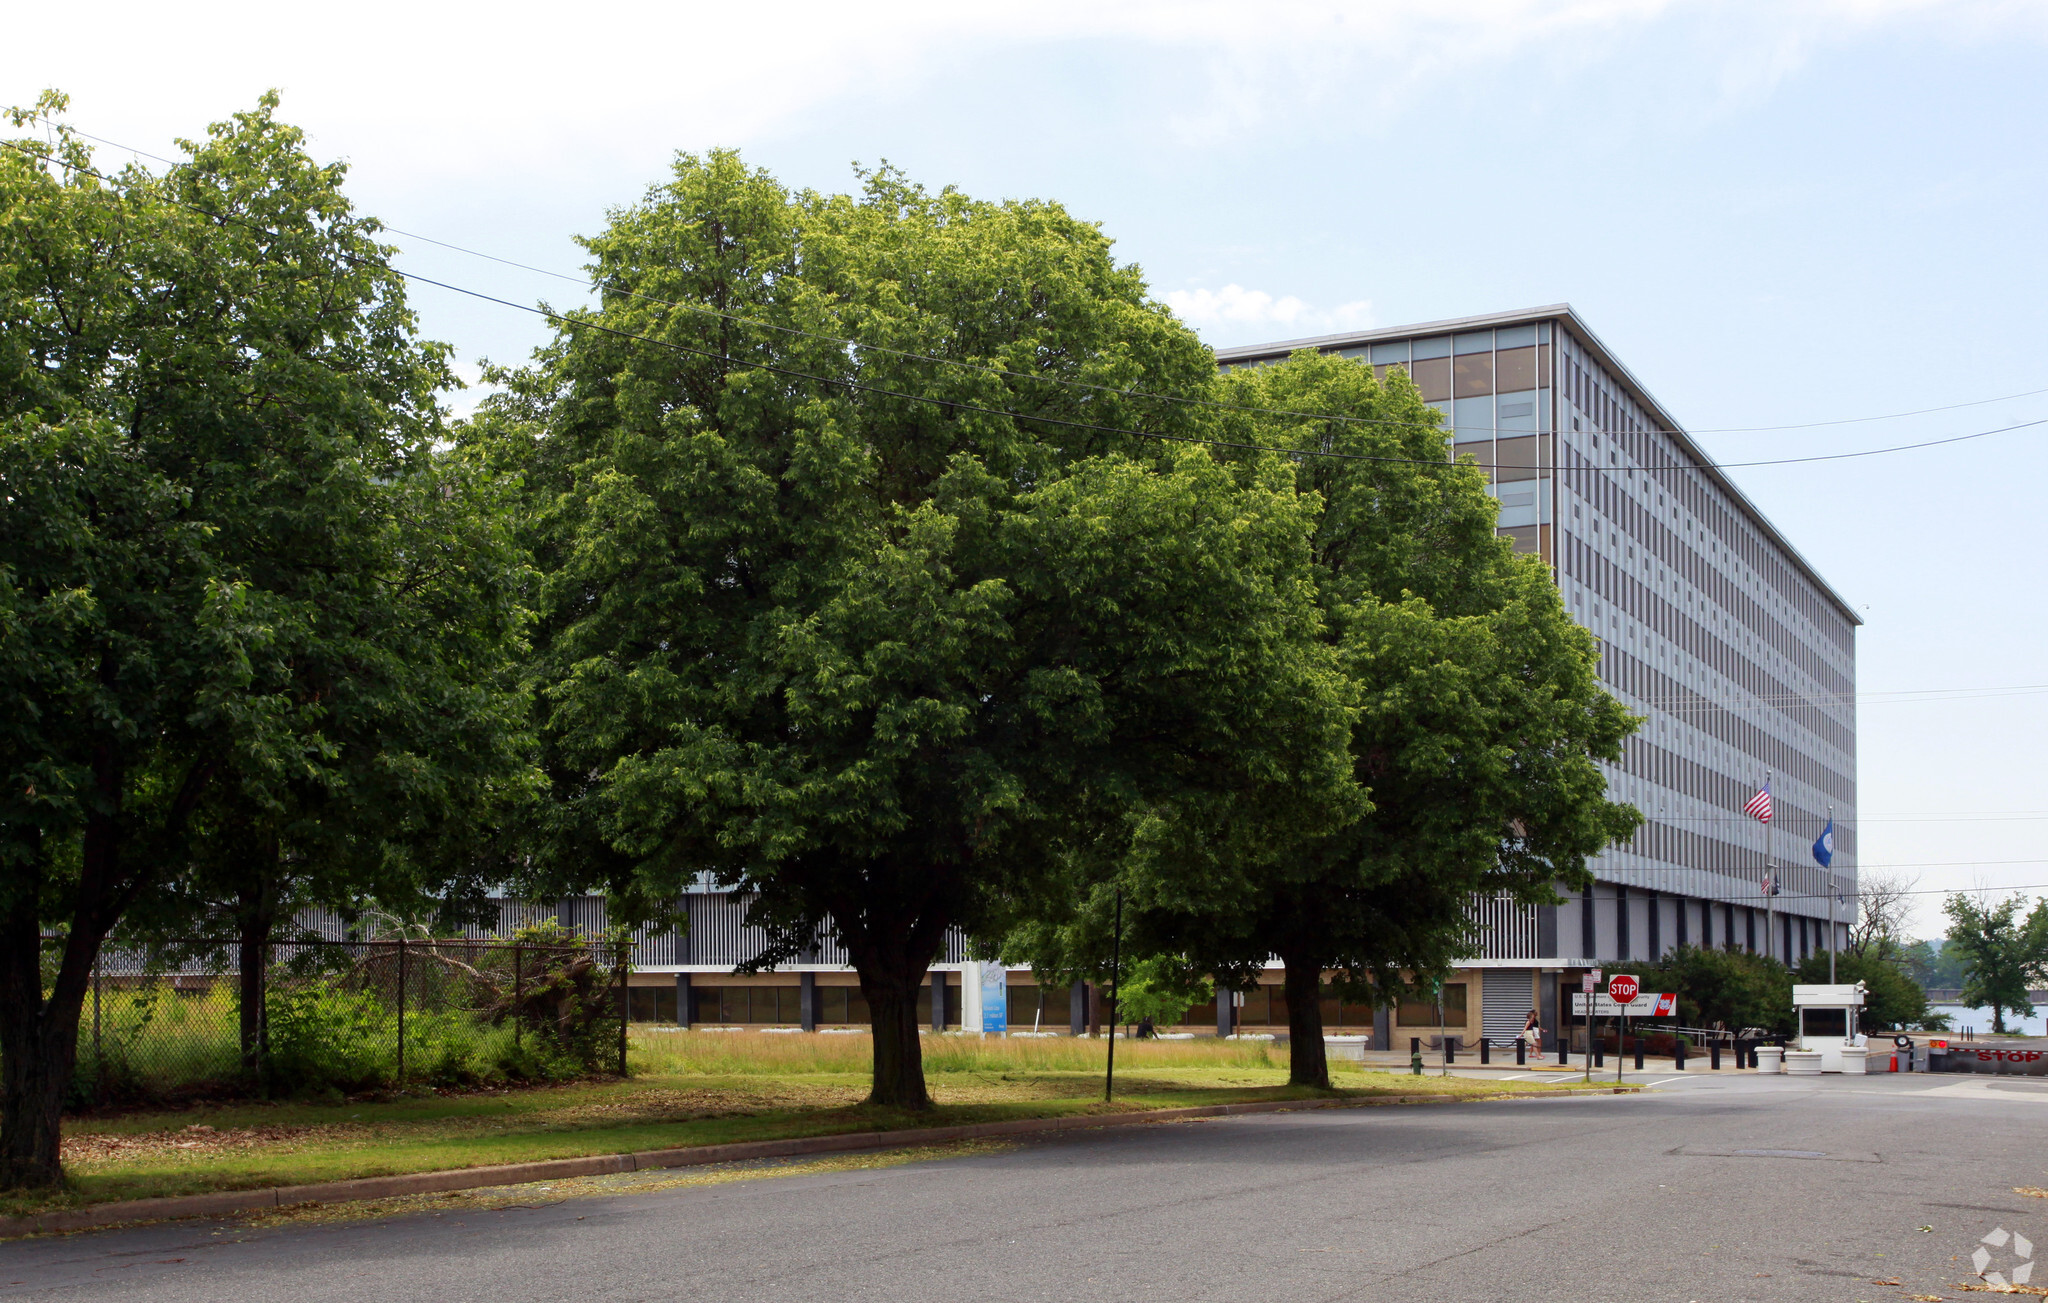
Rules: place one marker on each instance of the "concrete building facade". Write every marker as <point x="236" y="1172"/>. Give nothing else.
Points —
<point x="1711" y="625"/>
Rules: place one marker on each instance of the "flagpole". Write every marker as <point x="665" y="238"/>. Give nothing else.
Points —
<point x="1770" y="877"/>
<point x="1829" y="868"/>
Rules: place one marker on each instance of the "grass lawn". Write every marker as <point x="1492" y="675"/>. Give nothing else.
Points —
<point x="688" y="1088"/>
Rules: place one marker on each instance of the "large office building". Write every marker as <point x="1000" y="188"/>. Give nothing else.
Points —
<point x="1711" y="626"/>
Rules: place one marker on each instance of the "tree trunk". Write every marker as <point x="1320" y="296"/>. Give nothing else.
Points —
<point x="892" y="935"/>
<point x="38" y="1051"/>
<point x="1307" y="1064"/>
<point x="899" y="1046"/>
<point x="255" y="919"/>
<point x="39" y="1034"/>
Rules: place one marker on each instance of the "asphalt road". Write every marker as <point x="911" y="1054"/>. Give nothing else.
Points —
<point x="1644" y="1198"/>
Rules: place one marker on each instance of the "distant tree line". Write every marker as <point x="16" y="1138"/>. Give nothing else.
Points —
<point x="1991" y="953"/>
<point x="892" y="556"/>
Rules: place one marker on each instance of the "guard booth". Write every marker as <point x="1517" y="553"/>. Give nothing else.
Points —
<point x="1828" y="1015"/>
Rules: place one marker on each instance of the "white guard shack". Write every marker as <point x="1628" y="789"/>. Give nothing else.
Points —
<point x="1827" y="1022"/>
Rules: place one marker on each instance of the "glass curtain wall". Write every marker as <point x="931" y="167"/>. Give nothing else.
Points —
<point x="1494" y="390"/>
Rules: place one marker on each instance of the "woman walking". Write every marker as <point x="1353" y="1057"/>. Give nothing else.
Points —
<point x="1532" y="1032"/>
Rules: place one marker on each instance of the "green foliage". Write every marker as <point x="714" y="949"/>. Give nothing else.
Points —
<point x="1892" y="1000"/>
<point x="327" y="1035"/>
<point x="2001" y="954"/>
<point x="257" y="622"/>
<point x="1160" y="988"/>
<point x="876" y="658"/>
<point x="1726" y="988"/>
<point x="1475" y="723"/>
<point x="1932" y="964"/>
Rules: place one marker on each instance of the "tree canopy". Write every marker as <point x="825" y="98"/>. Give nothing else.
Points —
<point x="882" y="635"/>
<point x="2002" y="954"/>
<point x="1475" y="722"/>
<point x="242" y="593"/>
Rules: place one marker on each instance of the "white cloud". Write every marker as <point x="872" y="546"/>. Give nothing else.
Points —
<point x="1234" y="305"/>
<point x="450" y="90"/>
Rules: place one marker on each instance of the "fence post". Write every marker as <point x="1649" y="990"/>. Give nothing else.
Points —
<point x="401" y="1012"/>
<point x="518" y="991"/>
<point x="625" y="951"/>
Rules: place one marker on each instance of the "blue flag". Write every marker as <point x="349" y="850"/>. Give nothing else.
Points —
<point x="1824" y="846"/>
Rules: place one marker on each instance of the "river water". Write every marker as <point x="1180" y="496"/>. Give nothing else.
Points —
<point x="1961" y="1016"/>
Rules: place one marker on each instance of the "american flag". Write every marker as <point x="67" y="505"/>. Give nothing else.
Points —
<point x="1759" y="807"/>
<point x="1769" y="883"/>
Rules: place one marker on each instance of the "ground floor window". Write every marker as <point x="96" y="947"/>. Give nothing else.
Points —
<point x="842" y="1004"/>
<point x="744" y="1004"/>
<point x="651" y="1004"/>
<point x="1047" y="1007"/>
<point x="1421" y="1011"/>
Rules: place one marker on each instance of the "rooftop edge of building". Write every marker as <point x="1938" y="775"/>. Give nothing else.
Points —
<point x="1565" y="314"/>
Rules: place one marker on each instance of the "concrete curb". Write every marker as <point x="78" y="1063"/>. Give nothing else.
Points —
<point x="228" y="1202"/>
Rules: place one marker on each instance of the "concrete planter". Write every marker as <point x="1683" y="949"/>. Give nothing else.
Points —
<point x="1351" y="1048"/>
<point x="1770" y="1058"/>
<point x="1855" y="1060"/>
<point x="1802" y="1063"/>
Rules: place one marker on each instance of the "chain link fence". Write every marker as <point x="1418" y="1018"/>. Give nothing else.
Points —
<point x="187" y="1018"/>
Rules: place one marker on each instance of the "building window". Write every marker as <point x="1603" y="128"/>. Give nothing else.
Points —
<point x="1420" y="1011"/>
<point x="1473" y="375"/>
<point x="652" y="1003"/>
<point x="1514" y="368"/>
<point x="1433" y="378"/>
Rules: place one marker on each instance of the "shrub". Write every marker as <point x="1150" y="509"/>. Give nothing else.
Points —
<point x="1732" y="988"/>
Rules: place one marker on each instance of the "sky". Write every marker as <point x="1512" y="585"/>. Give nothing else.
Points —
<point x="1783" y="217"/>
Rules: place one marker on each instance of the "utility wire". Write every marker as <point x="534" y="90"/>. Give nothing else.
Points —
<point x="1132" y="393"/>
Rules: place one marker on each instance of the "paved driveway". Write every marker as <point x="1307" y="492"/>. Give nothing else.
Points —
<point x="1705" y="1188"/>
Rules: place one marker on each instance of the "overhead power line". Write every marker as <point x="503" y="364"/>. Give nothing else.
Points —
<point x="1129" y="392"/>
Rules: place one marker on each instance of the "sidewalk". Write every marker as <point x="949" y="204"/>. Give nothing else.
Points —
<point x="1468" y="1064"/>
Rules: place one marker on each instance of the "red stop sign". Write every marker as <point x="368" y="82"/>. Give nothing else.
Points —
<point x="1622" y="988"/>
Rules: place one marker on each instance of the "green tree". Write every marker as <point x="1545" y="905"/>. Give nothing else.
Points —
<point x="403" y="674"/>
<point x="1476" y="719"/>
<point x="2001" y="953"/>
<point x="1931" y="964"/>
<point x="212" y="400"/>
<point x="882" y="633"/>
<point x="1729" y="988"/>
<point x="1161" y="989"/>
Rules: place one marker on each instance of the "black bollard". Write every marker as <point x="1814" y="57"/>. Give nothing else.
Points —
<point x="1521" y="1050"/>
<point x="1678" y="1053"/>
<point x="1485" y="1050"/>
<point x="1564" y="1051"/>
<point x="1599" y="1053"/>
<point x="1450" y="1050"/>
<point x="1639" y="1054"/>
<point x="1713" y="1056"/>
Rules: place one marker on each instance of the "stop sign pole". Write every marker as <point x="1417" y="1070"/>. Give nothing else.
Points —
<point x="1591" y="982"/>
<point x="1622" y="988"/>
